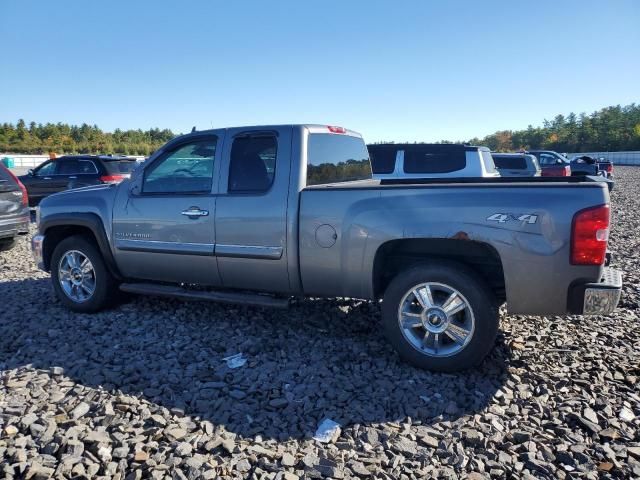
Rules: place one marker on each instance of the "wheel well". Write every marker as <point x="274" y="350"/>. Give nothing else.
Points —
<point x="397" y="255"/>
<point x="55" y="235"/>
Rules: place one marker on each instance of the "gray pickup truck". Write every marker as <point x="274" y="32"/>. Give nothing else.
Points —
<point x="262" y="214"/>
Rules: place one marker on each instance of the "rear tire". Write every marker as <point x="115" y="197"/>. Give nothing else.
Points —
<point x="7" y="244"/>
<point x="440" y="316"/>
<point x="80" y="277"/>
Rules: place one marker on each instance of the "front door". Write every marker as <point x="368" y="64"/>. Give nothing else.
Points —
<point x="251" y="214"/>
<point x="166" y="231"/>
<point x="43" y="182"/>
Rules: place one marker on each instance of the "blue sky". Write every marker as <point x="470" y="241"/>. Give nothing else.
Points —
<point x="401" y="70"/>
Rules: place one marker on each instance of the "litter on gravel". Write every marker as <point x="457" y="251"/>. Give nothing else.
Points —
<point x="235" y="361"/>
<point x="327" y="431"/>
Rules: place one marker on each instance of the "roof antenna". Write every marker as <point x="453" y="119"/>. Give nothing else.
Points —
<point x="193" y="129"/>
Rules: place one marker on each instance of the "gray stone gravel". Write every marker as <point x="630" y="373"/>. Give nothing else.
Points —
<point x="141" y="391"/>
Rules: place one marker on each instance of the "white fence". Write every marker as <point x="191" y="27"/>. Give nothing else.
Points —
<point x="618" y="158"/>
<point x="25" y="160"/>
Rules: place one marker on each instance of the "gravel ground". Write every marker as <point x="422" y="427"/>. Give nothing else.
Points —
<point x="142" y="391"/>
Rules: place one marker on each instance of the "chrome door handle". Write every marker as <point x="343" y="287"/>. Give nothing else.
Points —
<point x="47" y="178"/>
<point x="72" y="178"/>
<point x="195" y="212"/>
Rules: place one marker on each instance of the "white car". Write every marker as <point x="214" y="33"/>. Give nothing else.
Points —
<point x="423" y="160"/>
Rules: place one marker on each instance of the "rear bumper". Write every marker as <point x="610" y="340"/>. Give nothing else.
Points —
<point x="13" y="226"/>
<point x="598" y="298"/>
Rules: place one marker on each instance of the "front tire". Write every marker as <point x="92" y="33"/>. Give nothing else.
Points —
<point x="80" y="277"/>
<point x="440" y="316"/>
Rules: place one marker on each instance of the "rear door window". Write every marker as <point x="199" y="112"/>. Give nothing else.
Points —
<point x="253" y="163"/>
<point x="333" y="158"/>
<point x="87" y="167"/>
<point x="74" y="166"/>
<point x="510" y="162"/>
<point x="434" y="159"/>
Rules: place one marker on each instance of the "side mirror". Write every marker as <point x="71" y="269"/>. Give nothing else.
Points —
<point x="135" y="187"/>
<point x="31" y="172"/>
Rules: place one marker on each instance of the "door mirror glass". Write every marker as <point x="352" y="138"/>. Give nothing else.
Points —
<point x="30" y="172"/>
<point x="134" y="186"/>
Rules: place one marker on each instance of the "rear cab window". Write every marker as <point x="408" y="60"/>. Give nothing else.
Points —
<point x="336" y="158"/>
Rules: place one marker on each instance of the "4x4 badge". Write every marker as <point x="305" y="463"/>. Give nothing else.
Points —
<point x="505" y="217"/>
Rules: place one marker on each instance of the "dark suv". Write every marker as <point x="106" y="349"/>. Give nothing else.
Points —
<point x="74" y="171"/>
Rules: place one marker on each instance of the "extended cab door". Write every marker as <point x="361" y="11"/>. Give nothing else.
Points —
<point x="251" y="213"/>
<point x="164" y="224"/>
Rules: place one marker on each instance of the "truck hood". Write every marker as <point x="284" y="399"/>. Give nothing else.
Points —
<point x="96" y="199"/>
<point x="90" y="188"/>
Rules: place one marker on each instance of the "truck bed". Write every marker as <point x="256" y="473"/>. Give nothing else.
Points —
<point x="526" y="221"/>
<point x="577" y="180"/>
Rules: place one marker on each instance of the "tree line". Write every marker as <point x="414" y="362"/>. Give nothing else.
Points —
<point x="64" y="138"/>
<point x="614" y="128"/>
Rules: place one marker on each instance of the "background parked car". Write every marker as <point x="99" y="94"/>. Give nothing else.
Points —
<point x="552" y="163"/>
<point x="605" y="167"/>
<point x="517" y="164"/>
<point x="14" y="209"/>
<point x="423" y="160"/>
<point x="74" y="171"/>
<point x="582" y="165"/>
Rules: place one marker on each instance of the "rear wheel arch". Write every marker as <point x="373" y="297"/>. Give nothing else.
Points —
<point x="396" y="256"/>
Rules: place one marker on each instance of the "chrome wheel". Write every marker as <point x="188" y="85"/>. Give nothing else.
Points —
<point x="436" y="319"/>
<point x="76" y="276"/>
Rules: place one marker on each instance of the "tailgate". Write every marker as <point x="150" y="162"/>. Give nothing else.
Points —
<point x="10" y="195"/>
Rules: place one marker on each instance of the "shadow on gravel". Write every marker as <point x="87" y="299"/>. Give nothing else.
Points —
<point x="322" y="358"/>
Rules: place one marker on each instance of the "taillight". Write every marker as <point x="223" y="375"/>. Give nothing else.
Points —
<point x="333" y="129"/>
<point x="567" y="171"/>
<point x="589" y="236"/>
<point x="111" y="178"/>
<point x="610" y="168"/>
<point x="23" y="189"/>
